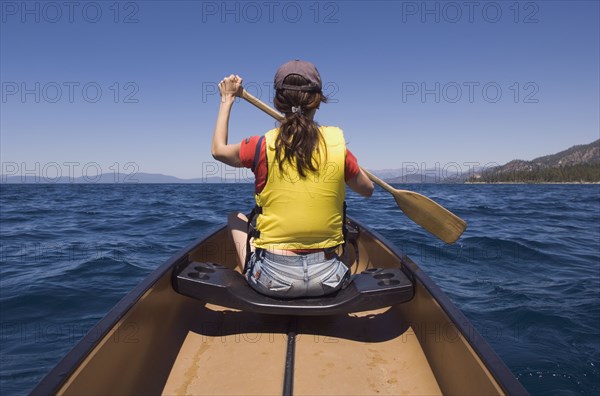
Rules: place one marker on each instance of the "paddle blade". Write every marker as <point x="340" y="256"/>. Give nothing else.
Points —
<point x="430" y="215"/>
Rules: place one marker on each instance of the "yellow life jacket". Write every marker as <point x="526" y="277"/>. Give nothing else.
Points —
<point x="303" y="213"/>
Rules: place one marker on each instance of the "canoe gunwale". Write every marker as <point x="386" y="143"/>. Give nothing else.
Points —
<point x="52" y="381"/>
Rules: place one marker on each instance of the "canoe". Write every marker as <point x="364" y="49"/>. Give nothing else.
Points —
<point x="191" y="327"/>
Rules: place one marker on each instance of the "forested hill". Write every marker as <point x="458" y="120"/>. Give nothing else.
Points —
<point x="578" y="164"/>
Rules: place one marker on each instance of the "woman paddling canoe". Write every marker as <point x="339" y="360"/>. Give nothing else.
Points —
<point x="301" y="170"/>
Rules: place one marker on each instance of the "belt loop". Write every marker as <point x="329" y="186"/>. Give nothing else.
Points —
<point x="305" y="266"/>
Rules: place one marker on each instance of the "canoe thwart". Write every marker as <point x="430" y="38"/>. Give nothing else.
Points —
<point x="219" y="285"/>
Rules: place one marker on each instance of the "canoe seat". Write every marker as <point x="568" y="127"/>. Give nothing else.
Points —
<point x="215" y="284"/>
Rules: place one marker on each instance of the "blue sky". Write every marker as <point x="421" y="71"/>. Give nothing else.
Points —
<point x="131" y="85"/>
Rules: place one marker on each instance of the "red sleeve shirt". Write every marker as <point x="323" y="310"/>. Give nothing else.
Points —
<point x="248" y="154"/>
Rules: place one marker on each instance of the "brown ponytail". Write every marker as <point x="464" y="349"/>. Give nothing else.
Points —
<point x="299" y="136"/>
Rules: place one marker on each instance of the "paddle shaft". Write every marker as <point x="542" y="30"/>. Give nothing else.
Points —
<point x="263" y="106"/>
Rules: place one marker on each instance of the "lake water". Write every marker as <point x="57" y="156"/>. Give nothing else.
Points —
<point x="526" y="272"/>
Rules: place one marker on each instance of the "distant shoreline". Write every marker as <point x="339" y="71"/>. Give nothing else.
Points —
<point x="531" y="182"/>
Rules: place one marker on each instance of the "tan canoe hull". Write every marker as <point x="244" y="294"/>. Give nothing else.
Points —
<point x="156" y="341"/>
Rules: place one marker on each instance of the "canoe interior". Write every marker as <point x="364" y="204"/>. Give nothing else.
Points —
<point x="166" y="343"/>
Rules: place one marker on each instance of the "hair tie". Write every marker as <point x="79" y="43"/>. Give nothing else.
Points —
<point x="297" y="110"/>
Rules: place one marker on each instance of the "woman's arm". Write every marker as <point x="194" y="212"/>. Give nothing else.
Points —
<point x="229" y="154"/>
<point x="361" y="184"/>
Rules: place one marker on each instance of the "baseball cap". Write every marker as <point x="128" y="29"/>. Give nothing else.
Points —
<point x="302" y="68"/>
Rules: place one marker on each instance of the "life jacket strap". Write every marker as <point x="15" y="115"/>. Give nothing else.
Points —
<point x="257" y="153"/>
<point x="251" y="232"/>
<point x="344" y="230"/>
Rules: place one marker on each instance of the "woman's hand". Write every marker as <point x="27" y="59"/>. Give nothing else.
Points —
<point x="230" y="87"/>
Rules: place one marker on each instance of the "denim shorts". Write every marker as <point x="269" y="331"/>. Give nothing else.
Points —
<point x="292" y="276"/>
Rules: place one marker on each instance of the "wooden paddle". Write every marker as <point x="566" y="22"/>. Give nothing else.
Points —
<point x="431" y="216"/>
